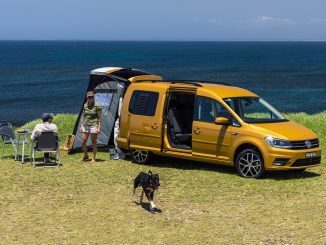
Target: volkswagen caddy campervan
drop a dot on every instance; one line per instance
(213, 122)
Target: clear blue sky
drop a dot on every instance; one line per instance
(163, 20)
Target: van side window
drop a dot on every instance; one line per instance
(207, 109)
(143, 103)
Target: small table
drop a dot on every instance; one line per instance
(22, 138)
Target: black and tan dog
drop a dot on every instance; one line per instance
(149, 182)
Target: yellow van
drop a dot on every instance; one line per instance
(213, 122)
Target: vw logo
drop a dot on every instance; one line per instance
(308, 144)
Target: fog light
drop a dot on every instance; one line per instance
(280, 162)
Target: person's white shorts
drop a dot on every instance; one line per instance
(89, 129)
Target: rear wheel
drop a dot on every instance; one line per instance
(250, 164)
(140, 156)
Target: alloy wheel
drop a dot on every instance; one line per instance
(140, 156)
(250, 165)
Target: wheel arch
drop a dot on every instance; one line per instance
(246, 145)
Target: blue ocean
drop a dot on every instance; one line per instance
(52, 76)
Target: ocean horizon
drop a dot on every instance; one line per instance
(52, 76)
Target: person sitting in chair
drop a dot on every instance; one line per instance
(47, 125)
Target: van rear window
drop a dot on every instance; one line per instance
(143, 103)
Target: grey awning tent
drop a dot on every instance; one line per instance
(109, 85)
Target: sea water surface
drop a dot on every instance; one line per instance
(52, 76)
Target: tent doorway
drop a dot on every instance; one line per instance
(109, 85)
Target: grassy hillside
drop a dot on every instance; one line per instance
(64, 122)
(84, 203)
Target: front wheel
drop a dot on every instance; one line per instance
(250, 164)
(140, 156)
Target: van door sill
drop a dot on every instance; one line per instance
(175, 150)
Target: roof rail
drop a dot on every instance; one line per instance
(190, 82)
(170, 81)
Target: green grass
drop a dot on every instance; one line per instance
(64, 122)
(201, 203)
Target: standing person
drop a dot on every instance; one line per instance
(47, 125)
(91, 124)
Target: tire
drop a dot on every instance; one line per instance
(250, 164)
(140, 156)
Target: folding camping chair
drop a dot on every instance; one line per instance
(8, 137)
(46, 142)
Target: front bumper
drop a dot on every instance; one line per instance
(296, 158)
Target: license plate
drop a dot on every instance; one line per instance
(311, 154)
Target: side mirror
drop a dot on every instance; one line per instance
(222, 121)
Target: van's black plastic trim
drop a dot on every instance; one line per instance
(306, 162)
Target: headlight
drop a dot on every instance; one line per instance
(278, 143)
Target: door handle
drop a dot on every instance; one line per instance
(154, 126)
(197, 130)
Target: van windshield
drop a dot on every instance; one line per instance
(254, 110)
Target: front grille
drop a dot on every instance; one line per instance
(306, 162)
(301, 144)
